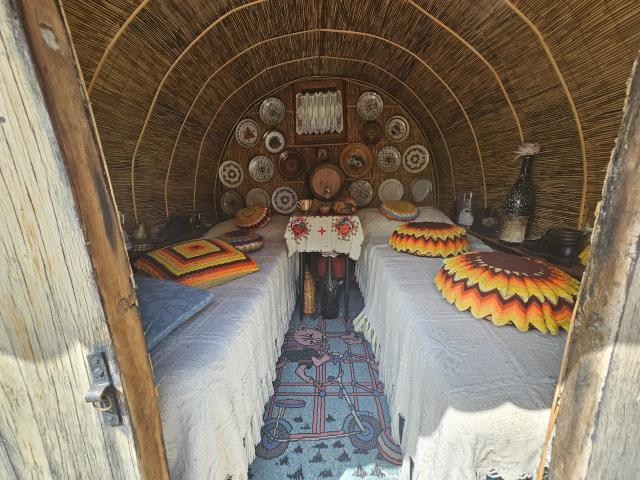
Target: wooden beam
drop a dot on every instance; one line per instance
(68, 105)
(598, 427)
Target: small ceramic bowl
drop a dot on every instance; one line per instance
(325, 209)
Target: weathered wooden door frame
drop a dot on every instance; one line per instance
(598, 396)
(61, 82)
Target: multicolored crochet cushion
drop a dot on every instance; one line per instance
(430, 239)
(200, 263)
(243, 240)
(399, 210)
(253, 218)
(507, 288)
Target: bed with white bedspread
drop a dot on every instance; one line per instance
(473, 395)
(214, 373)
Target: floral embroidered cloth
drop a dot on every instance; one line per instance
(325, 234)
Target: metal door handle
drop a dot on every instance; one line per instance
(102, 393)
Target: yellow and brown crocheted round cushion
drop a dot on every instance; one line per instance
(507, 288)
(399, 210)
(430, 239)
(253, 218)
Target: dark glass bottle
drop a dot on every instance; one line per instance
(519, 205)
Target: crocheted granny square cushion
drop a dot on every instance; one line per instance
(430, 239)
(200, 263)
(507, 288)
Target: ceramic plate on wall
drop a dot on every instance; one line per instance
(258, 197)
(272, 111)
(370, 105)
(231, 202)
(231, 174)
(397, 128)
(284, 200)
(261, 168)
(415, 158)
(421, 188)
(247, 133)
(274, 141)
(356, 160)
(362, 192)
(390, 189)
(389, 159)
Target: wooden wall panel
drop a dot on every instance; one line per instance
(354, 128)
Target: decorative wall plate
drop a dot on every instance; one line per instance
(421, 188)
(390, 189)
(231, 174)
(356, 160)
(415, 158)
(362, 192)
(247, 133)
(370, 105)
(389, 159)
(261, 168)
(274, 141)
(231, 202)
(258, 197)
(272, 111)
(291, 165)
(284, 200)
(371, 132)
(397, 128)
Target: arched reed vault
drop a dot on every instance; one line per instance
(168, 79)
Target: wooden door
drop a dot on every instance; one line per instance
(65, 282)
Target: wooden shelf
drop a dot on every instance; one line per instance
(576, 270)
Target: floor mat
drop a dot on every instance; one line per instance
(328, 417)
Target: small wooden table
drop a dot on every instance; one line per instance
(328, 234)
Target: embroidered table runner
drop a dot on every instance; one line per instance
(325, 234)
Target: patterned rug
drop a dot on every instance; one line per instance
(328, 417)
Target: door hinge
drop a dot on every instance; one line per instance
(103, 394)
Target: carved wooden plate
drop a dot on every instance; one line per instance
(356, 160)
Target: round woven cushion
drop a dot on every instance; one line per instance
(507, 288)
(430, 239)
(253, 218)
(243, 240)
(399, 210)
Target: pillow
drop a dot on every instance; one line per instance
(200, 263)
(243, 240)
(165, 305)
(253, 218)
(399, 210)
(508, 288)
(430, 239)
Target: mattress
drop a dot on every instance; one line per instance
(214, 374)
(473, 396)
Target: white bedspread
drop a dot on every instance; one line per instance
(473, 395)
(214, 373)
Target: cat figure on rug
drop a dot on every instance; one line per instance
(307, 346)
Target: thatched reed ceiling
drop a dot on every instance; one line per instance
(168, 80)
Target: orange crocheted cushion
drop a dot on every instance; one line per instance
(253, 218)
(399, 210)
(430, 239)
(243, 240)
(507, 288)
(200, 263)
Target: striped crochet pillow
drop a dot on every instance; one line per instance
(430, 239)
(399, 210)
(243, 240)
(199, 263)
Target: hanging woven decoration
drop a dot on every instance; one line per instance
(430, 239)
(253, 218)
(507, 288)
